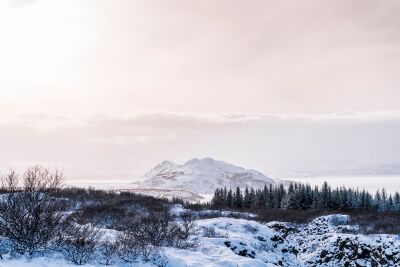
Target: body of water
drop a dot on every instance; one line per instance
(370, 183)
(103, 184)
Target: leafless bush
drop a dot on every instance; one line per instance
(145, 236)
(129, 250)
(183, 230)
(29, 215)
(80, 244)
(105, 215)
(108, 252)
(187, 224)
(132, 248)
(154, 229)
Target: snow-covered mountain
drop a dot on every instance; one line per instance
(202, 176)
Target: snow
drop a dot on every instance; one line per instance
(202, 176)
(232, 242)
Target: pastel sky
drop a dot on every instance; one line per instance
(106, 89)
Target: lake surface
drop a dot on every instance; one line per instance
(391, 183)
(103, 184)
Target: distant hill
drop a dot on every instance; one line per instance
(201, 177)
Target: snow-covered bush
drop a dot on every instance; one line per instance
(81, 243)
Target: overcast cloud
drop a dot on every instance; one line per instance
(285, 87)
(279, 145)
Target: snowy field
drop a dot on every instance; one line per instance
(326, 241)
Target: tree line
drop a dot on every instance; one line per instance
(300, 196)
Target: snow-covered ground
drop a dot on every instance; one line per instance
(326, 241)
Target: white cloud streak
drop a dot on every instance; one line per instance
(277, 144)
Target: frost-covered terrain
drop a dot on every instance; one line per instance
(199, 177)
(326, 241)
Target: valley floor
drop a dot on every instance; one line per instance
(326, 241)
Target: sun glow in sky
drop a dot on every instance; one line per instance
(122, 84)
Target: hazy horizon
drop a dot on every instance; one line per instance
(108, 89)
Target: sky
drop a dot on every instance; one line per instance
(107, 89)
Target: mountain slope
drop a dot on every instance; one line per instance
(202, 176)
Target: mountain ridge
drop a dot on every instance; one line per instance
(202, 176)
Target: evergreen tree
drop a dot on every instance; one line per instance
(304, 197)
(397, 201)
(238, 203)
(247, 199)
(229, 199)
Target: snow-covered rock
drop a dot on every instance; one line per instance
(202, 176)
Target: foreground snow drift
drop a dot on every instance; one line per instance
(326, 241)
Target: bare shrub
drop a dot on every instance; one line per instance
(145, 236)
(129, 250)
(183, 230)
(108, 252)
(187, 224)
(29, 215)
(132, 248)
(154, 229)
(80, 243)
(105, 215)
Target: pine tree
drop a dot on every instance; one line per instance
(397, 201)
(326, 195)
(378, 201)
(238, 203)
(229, 199)
(247, 199)
(390, 203)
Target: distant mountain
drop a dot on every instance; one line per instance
(202, 176)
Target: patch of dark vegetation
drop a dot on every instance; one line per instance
(109, 209)
(300, 196)
(386, 222)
